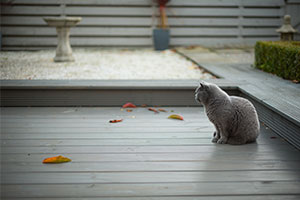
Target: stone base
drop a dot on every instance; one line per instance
(64, 59)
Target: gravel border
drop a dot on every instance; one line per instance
(100, 64)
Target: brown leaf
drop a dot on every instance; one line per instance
(162, 110)
(115, 120)
(152, 109)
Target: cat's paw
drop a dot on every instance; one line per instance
(215, 137)
(222, 141)
(214, 140)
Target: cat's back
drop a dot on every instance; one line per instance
(242, 103)
(244, 111)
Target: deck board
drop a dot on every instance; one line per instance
(150, 189)
(146, 157)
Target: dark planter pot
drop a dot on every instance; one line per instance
(161, 38)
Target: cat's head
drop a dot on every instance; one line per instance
(202, 92)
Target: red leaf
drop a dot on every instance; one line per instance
(115, 120)
(129, 105)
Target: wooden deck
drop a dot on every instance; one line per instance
(281, 96)
(147, 156)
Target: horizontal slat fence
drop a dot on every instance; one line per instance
(293, 9)
(130, 22)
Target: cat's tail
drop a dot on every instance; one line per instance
(235, 141)
(239, 140)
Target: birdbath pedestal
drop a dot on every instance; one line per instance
(63, 25)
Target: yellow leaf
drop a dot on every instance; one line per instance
(175, 117)
(56, 159)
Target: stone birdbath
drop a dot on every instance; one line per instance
(63, 25)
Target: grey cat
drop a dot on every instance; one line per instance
(235, 118)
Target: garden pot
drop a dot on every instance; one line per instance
(161, 38)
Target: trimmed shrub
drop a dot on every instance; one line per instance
(280, 58)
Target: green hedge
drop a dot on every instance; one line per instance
(280, 58)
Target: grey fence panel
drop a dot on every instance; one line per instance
(293, 9)
(130, 22)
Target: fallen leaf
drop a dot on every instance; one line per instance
(133, 117)
(162, 110)
(129, 105)
(115, 120)
(175, 117)
(295, 81)
(273, 137)
(128, 110)
(56, 159)
(193, 67)
(191, 47)
(144, 105)
(152, 109)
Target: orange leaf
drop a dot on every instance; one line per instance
(129, 105)
(128, 110)
(175, 117)
(162, 110)
(115, 120)
(152, 109)
(56, 159)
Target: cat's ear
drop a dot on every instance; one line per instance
(203, 85)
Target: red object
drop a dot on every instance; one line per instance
(162, 2)
(115, 120)
(129, 105)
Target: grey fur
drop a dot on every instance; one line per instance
(235, 118)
